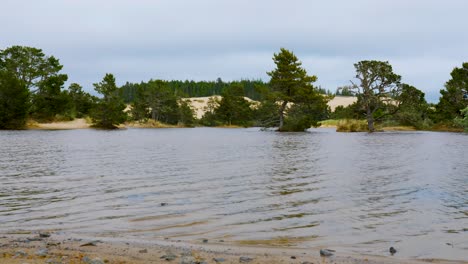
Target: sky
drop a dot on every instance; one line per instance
(139, 40)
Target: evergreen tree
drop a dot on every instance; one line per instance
(109, 110)
(291, 84)
(82, 101)
(14, 101)
(452, 100)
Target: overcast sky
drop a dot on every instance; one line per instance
(137, 40)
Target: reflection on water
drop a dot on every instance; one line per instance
(357, 192)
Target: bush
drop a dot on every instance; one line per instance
(352, 125)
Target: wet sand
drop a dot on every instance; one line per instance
(32, 248)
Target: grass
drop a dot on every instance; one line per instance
(150, 123)
(351, 125)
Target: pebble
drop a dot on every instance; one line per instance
(42, 252)
(169, 256)
(218, 260)
(326, 252)
(293, 257)
(205, 240)
(88, 260)
(187, 260)
(44, 234)
(245, 259)
(21, 253)
(143, 251)
(91, 243)
(392, 250)
(307, 262)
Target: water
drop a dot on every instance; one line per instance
(356, 192)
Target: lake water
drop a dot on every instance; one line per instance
(354, 192)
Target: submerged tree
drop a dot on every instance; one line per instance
(14, 101)
(378, 87)
(291, 84)
(109, 110)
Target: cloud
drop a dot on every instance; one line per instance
(205, 39)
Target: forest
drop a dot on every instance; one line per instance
(32, 87)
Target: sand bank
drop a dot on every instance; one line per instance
(56, 249)
(79, 123)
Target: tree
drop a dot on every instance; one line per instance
(377, 89)
(413, 108)
(233, 109)
(30, 65)
(186, 113)
(109, 110)
(14, 101)
(291, 84)
(50, 102)
(463, 122)
(452, 100)
(82, 101)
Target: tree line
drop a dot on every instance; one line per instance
(32, 87)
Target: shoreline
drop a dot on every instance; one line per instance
(35, 248)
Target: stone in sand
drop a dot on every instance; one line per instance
(392, 250)
(245, 259)
(326, 252)
(42, 252)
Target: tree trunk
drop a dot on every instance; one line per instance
(281, 114)
(370, 121)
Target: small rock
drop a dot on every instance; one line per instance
(307, 262)
(143, 251)
(34, 239)
(20, 253)
(44, 234)
(91, 243)
(221, 240)
(205, 240)
(169, 256)
(86, 259)
(96, 261)
(218, 260)
(163, 204)
(326, 252)
(187, 260)
(245, 259)
(293, 257)
(392, 250)
(42, 252)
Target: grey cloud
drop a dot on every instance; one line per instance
(205, 39)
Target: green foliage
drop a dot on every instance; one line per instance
(352, 111)
(377, 89)
(156, 100)
(30, 65)
(452, 102)
(186, 113)
(346, 90)
(109, 110)
(50, 101)
(200, 88)
(290, 84)
(82, 102)
(14, 101)
(463, 122)
(413, 108)
(233, 109)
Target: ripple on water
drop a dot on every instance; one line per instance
(355, 191)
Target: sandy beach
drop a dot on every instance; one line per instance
(79, 123)
(32, 249)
